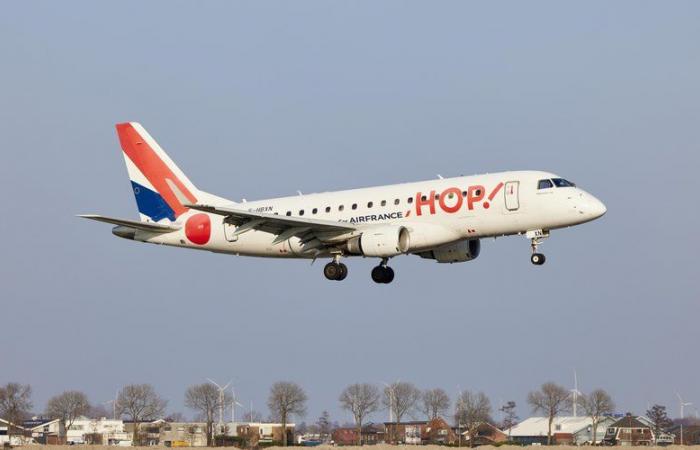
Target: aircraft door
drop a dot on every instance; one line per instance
(512, 195)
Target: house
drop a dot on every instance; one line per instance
(12, 434)
(438, 431)
(183, 434)
(45, 431)
(567, 430)
(148, 432)
(629, 430)
(483, 434)
(371, 434)
(404, 432)
(263, 432)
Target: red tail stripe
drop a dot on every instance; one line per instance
(152, 167)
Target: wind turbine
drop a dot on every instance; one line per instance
(234, 402)
(392, 399)
(114, 405)
(575, 393)
(683, 404)
(222, 396)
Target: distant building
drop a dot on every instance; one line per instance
(263, 432)
(484, 434)
(438, 431)
(566, 430)
(183, 434)
(405, 432)
(629, 430)
(371, 434)
(13, 434)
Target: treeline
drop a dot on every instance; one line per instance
(139, 403)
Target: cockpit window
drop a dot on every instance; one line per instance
(560, 182)
(544, 184)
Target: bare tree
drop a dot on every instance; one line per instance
(400, 398)
(596, 405)
(286, 399)
(15, 403)
(206, 400)
(552, 400)
(139, 402)
(510, 419)
(67, 407)
(471, 410)
(361, 400)
(436, 402)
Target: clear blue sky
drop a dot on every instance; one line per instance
(259, 99)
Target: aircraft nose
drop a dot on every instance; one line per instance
(596, 207)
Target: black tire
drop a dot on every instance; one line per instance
(537, 259)
(331, 271)
(343, 272)
(388, 275)
(378, 274)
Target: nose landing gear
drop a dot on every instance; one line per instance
(536, 237)
(383, 274)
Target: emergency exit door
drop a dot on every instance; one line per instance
(512, 197)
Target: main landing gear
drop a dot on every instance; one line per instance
(536, 238)
(335, 270)
(383, 273)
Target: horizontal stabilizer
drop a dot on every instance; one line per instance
(143, 226)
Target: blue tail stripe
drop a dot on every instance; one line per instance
(151, 204)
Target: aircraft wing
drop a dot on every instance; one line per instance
(283, 226)
(144, 226)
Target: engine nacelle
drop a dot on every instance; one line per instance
(386, 241)
(458, 252)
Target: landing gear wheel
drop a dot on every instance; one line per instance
(382, 274)
(332, 270)
(343, 272)
(537, 259)
(335, 271)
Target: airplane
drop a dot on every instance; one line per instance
(442, 219)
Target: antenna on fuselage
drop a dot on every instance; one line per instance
(440, 176)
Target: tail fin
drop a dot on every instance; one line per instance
(154, 176)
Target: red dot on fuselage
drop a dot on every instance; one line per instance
(486, 205)
(198, 229)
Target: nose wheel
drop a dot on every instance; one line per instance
(335, 270)
(537, 259)
(383, 274)
(536, 238)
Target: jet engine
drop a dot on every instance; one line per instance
(383, 241)
(458, 252)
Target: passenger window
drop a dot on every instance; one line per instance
(464, 193)
(301, 212)
(289, 213)
(314, 211)
(437, 196)
(424, 198)
(410, 200)
(369, 205)
(544, 184)
(328, 209)
(341, 207)
(397, 201)
(354, 206)
(383, 202)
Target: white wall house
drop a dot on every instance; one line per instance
(576, 430)
(111, 431)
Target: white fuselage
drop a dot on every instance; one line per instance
(435, 212)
